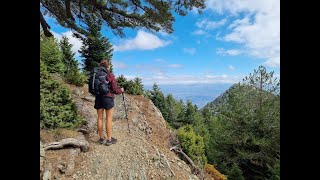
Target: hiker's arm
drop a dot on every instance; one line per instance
(114, 86)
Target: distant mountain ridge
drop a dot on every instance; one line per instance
(198, 94)
(221, 99)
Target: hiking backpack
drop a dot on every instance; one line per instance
(98, 84)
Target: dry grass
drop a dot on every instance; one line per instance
(61, 157)
(212, 172)
(48, 136)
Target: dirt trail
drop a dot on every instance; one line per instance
(142, 154)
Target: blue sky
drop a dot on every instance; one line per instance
(227, 41)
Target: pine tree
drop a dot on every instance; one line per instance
(67, 55)
(122, 82)
(173, 111)
(51, 54)
(248, 126)
(129, 87)
(134, 87)
(148, 94)
(95, 46)
(190, 113)
(72, 73)
(206, 115)
(57, 110)
(181, 112)
(159, 101)
(138, 86)
(235, 173)
(201, 128)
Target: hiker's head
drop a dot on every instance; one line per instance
(105, 63)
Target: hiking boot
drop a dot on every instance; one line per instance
(110, 142)
(102, 140)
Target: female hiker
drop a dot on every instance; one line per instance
(105, 103)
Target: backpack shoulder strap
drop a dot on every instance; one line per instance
(103, 69)
(96, 69)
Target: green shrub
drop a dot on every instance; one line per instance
(192, 144)
(57, 110)
(76, 77)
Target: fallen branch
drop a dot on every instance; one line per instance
(174, 147)
(177, 149)
(81, 143)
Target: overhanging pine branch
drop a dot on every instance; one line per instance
(68, 11)
(70, 24)
(45, 26)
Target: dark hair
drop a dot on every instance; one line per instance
(104, 63)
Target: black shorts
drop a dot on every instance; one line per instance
(103, 102)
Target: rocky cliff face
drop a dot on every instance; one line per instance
(142, 154)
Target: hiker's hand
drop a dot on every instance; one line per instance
(122, 89)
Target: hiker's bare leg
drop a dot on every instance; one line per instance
(109, 123)
(100, 122)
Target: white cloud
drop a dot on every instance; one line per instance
(188, 79)
(236, 6)
(191, 51)
(72, 40)
(231, 67)
(273, 62)
(57, 35)
(199, 32)
(206, 25)
(175, 65)
(240, 22)
(229, 52)
(119, 65)
(209, 25)
(143, 41)
(258, 30)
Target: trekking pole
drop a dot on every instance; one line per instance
(125, 109)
